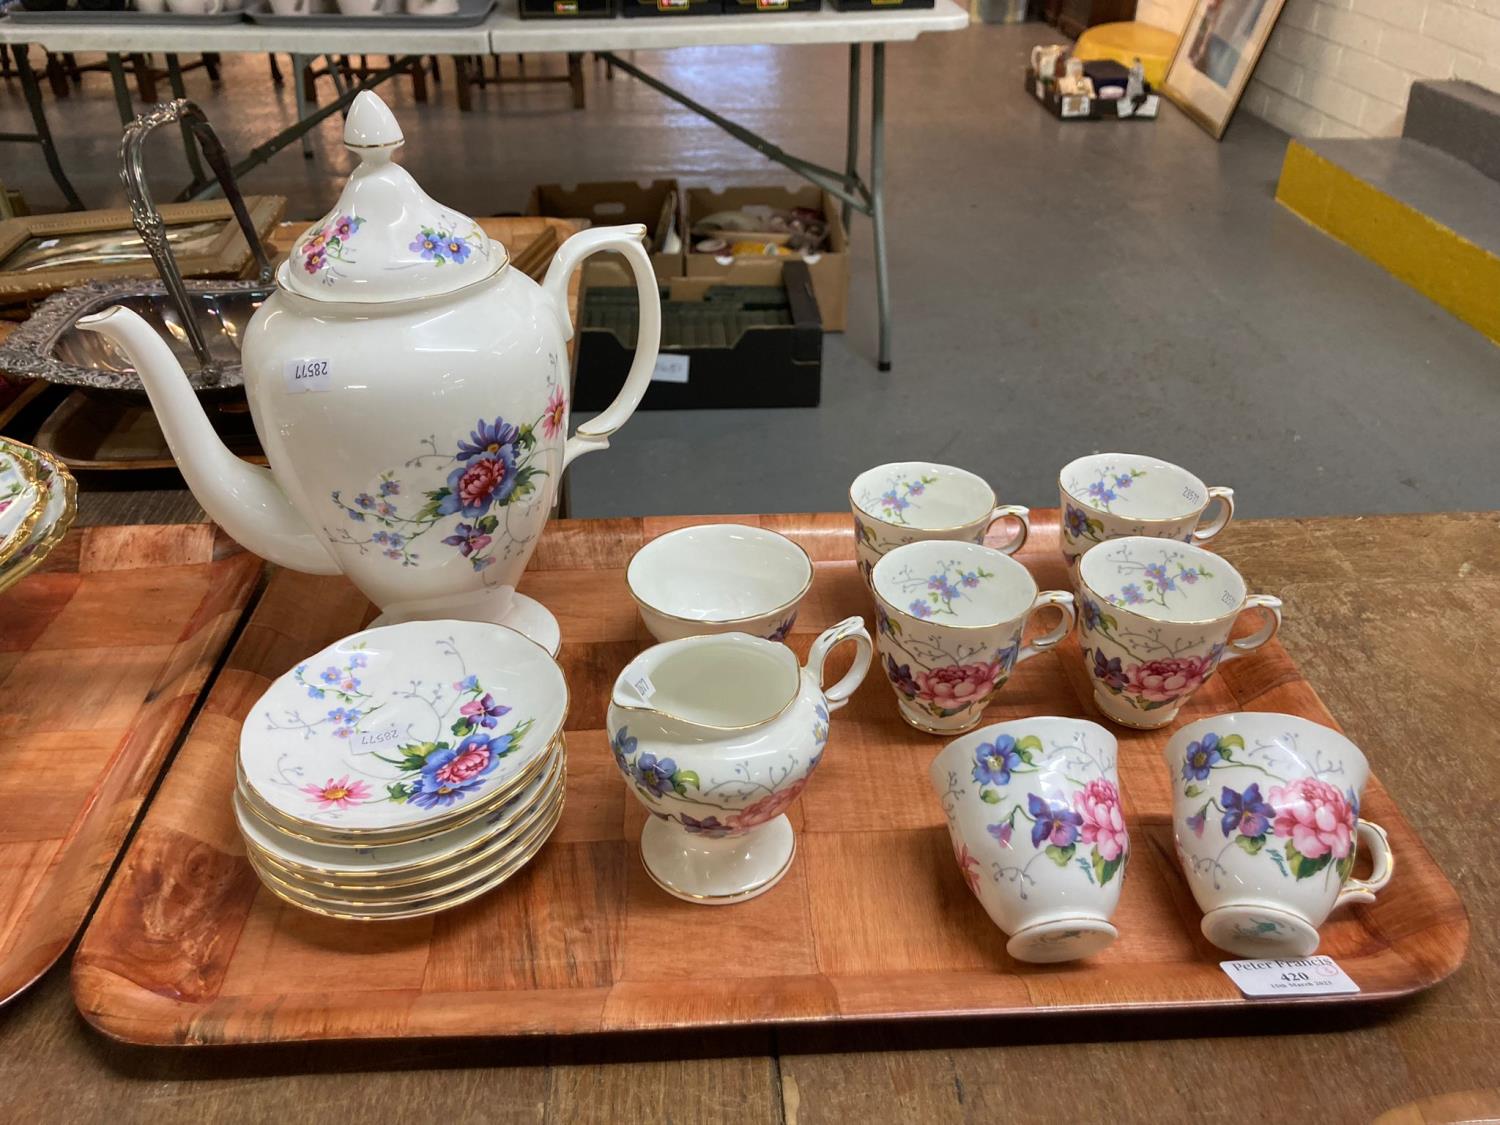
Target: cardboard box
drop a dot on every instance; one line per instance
(657, 205)
(567, 9)
(722, 346)
(829, 270)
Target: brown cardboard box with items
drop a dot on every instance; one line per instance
(655, 204)
(829, 269)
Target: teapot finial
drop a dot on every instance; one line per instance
(371, 124)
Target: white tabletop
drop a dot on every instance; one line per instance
(503, 31)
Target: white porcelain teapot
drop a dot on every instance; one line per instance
(411, 392)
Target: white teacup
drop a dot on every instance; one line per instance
(432, 7)
(1154, 620)
(1044, 59)
(152, 7)
(1038, 829)
(292, 7)
(369, 7)
(949, 619)
(916, 501)
(195, 7)
(719, 578)
(1265, 814)
(1111, 495)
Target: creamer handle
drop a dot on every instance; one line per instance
(629, 241)
(849, 629)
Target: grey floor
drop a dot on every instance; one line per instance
(1059, 288)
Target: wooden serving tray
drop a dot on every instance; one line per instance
(103, 652)
(873, 922)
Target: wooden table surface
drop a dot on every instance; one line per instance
(1391, 618)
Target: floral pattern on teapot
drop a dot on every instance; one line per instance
(327, 244)
(494, 468)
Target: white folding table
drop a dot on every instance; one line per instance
(505, 32)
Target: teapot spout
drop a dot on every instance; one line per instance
(243, 499)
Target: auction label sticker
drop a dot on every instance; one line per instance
(304, 375)
(1302, 976)
(671, 368)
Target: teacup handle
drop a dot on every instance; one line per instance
(1208, 528)
(849, 629)
(1022, 516)
(1271, 608)
(1063, 603)
(1373, 837)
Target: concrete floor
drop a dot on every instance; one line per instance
(1059, 288)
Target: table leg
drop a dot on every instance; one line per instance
(174, 79)
(851, 154)
(301, 80)
(122, 90)
(145, 77)
(877, 202)
(33, 94)
(575, 79)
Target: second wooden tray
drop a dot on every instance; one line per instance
(873, 922)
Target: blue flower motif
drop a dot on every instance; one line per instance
(358, 660)
(892, 500)
(390, 488)
(331, 675)
(623, 746)
(456, 248)
(901, 678)
(428, 245)
(1188, 575)
(1196, 822)
(487, 439)
(1123, 480)
(1090, 613)
(1200, 759)
(468, 683)
(994, 761)
(429, 793)
(486, 480)
(1055, 823)
(364, 500)
(1008, 656)
(656, 774)
(921, 609)
(1157, 572)
(970, 579)
(1101, 492)
(1132, 594)
(1245, 811)
(1075, 521)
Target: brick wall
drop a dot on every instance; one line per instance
(1342, 68)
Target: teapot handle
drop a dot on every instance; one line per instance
(629, 241)
(849, 629)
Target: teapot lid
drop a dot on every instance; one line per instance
(386, 239)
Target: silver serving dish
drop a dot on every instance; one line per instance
(49, 346)
(201, 321)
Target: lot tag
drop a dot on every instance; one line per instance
(643, 687)
(304, 375)
(1302, 976)
(670, 369)
(1075, 105)
(369, 741)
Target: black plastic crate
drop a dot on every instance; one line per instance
(567, 9)
(769, 7)
(743, 346)
(668, 8)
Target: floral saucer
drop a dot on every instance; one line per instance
(21, 501)
(55, 510)
(398, 732)
(386, 865)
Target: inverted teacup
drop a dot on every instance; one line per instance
(1111, 495)
(719, 578)
(949, 619)
(1154, 620)
(1038, 829)
(1265, 813)
(916, 501)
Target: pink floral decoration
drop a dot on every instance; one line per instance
(1098, 803)
(768, 808)
(1315, 816)
(958, 684)
(340, 794)
(1162, 681)
(555, 414)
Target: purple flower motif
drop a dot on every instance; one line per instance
(1132, 594)
(921, 609)
(456, 248)
(1188, 575)
(970, 580)
(781, 631)
(944, 589)
(1109, 671)
(655, 774)
(623, 745)
(1101, 492)
(364, 500)
(485, 711)
(487, 439)
(994, 761)
(1201, 756)
(358, 660)
(428, 245)
(1001, 832)
(331, 675)
(391, 553)
(1056, 824)
(709, 826)
(894, 502)
(468, 539)
(915, 488)
(1196, 822)
(1091, 613)
(1076, 521)
(1245, 811)
(1008, 655)
(385, 508)
(1123, 480)
(390, 488)
(901, 677)
(380, 537)
(344, 715)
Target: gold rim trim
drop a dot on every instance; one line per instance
(994, 500)
(431, 867)
(54, 535)
(783, 607)
(19, 537)
(726, 900)
(647, 709)
(1230, 616)
(421, 890)
(1063, 488)
(435, 907)
(408, 834)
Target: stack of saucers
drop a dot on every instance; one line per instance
(403, 770)
(37, 505)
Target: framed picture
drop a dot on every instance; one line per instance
(1215, 57)
(40, 254)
